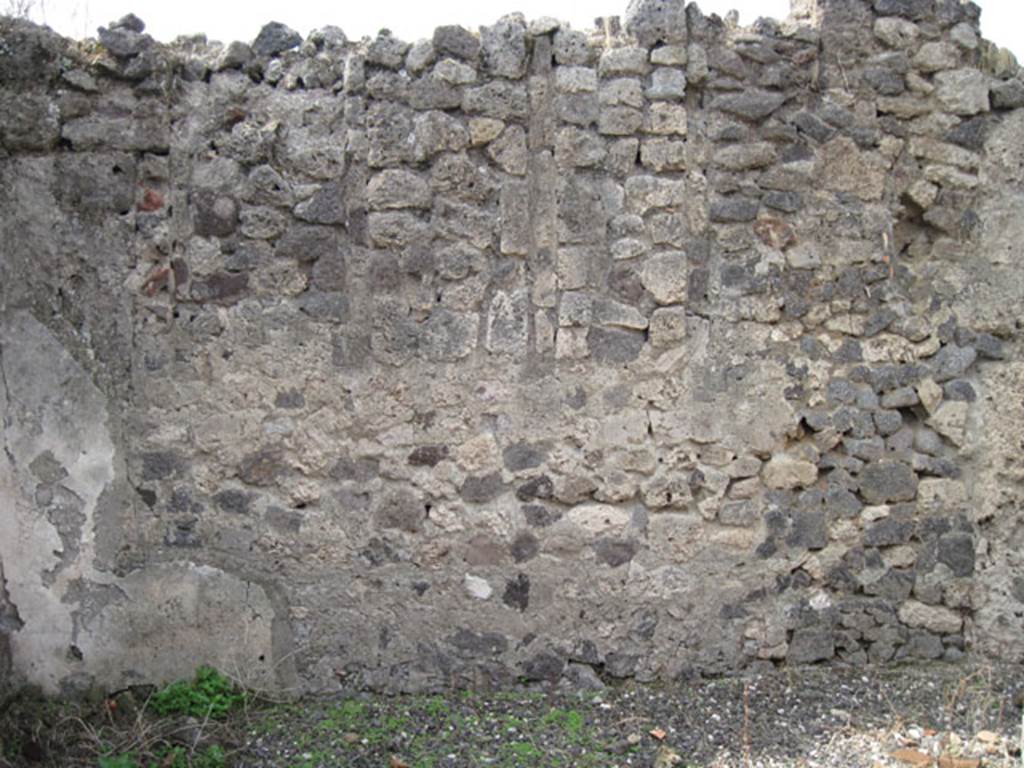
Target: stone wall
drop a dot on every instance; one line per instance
(668, 347)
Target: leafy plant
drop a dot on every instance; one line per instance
(209, 694)
(522, 752)
(212, 757)
(177, 757)
(570, 721)
(127, 760)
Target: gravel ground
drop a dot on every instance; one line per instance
(805, 717)
(949, 716)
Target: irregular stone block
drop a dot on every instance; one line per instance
(326, 206)
(752, 105)
(786, 472)
(28, 122)
(887, 481)
(507, 323)
(809, 645)
(616, 62)
(581, 210)
(401, 509)
(438, 132)
(575, 148)
(956, 551)
(456, 41)
(499, 99)
(666, 119)
(387, 51)
(646, 192)
(308, 243)
(614, 552)
(124, 42)
(275, 38)
(575, 79)
(574, 309)
(571, 47)
(508, 151)
(934, 618)
(896, 32)
(733, 210)
(663, 155)
(657, 21)
(395, 228)
(484, 129)
(398, 189)
(479, 645)
(614, 345)
(664, 276)
(936, 56)
(504, 47)
(449, 335)
(516, 232)
(610, 312)
(667, 84)
(477, 587)
(962, 91)
(668, 327)
(1008, 95)
(220, 287)
(848, 169)
(950, 421)
(480, 489)
(580, 109)
(742, 157)
(619, 121)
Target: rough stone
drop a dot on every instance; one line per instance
(896, 32)
(810, 645)
(936, 56)
(616, 62)
(934, 618)
(504, 47)
(787, 472)
(665, 277)
(962, 91)
(667, 326)
(887, 481)
(752, 105)
(733, 210)
(667, 85)
(275, 38)
(400, 509)
(950, 421)
(398, 189)
(1008, 95)
(308, 243)
(657, 21)
(453, 40)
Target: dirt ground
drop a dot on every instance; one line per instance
(949, 716)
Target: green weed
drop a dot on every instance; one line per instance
(569, 721)
(126, 760)
(519, 753)
(209, 694)
(436, 706)
(175, 757)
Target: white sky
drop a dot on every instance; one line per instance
(1001, 20)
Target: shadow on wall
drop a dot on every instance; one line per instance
(9, 622)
